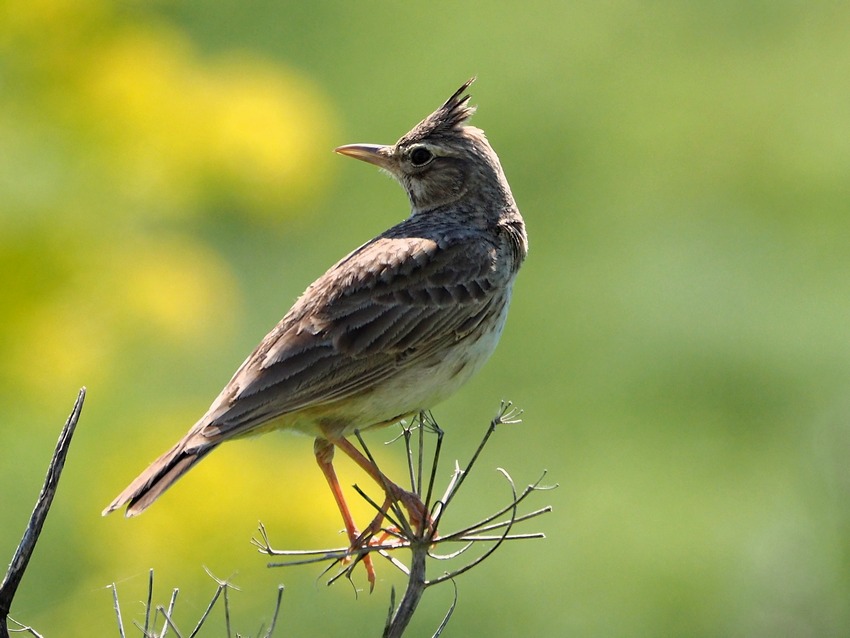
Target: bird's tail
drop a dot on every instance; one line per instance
(160, 475)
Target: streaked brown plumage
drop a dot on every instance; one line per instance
(391, 329)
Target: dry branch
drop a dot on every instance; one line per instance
(25, 549)
(422, 543)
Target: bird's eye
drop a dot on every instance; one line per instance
(421, 156)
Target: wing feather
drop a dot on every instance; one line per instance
(393, 301)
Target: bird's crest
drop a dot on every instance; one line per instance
(449, 117)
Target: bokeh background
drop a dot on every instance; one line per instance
(678, 339)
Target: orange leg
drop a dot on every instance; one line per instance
(412, 503)
(324, 451)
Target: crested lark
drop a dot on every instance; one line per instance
(393, 328)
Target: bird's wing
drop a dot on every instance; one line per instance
(390, 303)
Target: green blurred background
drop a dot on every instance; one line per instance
(678, 339)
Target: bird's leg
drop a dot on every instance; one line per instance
(324, 451)
(416, 511)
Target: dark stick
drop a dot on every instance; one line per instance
(25, 548)
(416, 584)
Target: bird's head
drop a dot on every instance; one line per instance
(440, 160)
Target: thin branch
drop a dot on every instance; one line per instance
(398, 524)
(395, 562)
(489, 551)
(36, 522)
(449, 613)
(276, 611)
(117, 607)
(167, 614)
(150, 603)
(391, 608)
(396, 507)
(438, 446)
(226, 610)
(507, 415)
(223, 587)
(483, 525)
(415, 482)
(207, 611)
(21, 628)
(168, 622)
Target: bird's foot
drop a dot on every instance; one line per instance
(417, 526)
(359, 551)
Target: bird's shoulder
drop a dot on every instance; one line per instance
(411, 265)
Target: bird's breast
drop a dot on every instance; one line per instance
(419, 385)
(430, 381)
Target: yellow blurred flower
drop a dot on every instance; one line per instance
(182, 130)
(117, 126)
(60, 343)
(269, 136)
(172, 287)
(167, 288)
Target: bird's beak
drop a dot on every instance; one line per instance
(372, 153)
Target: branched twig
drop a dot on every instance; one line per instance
(221, 593)
(222, 585)
(21, 628)
(42, 506)
(422, 542)
(167, 615)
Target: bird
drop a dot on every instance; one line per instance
(391, 329)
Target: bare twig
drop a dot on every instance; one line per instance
(42, 506)
(223, 586)
(449, 613)
(149, 605)
(268, 634)
(167, 614)
(116, 606)
(21, 628)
